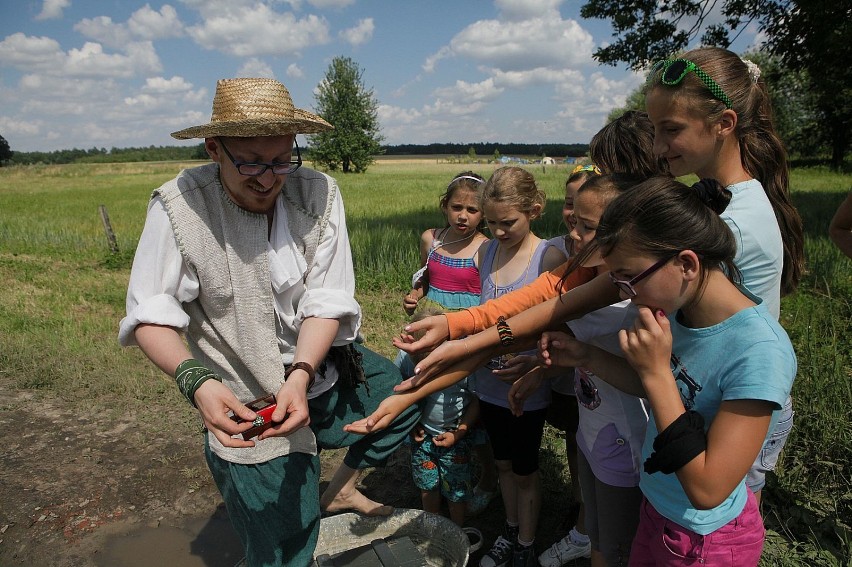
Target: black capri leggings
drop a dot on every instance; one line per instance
(515, 439)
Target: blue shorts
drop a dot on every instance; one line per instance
(771, 450)
(446, 469)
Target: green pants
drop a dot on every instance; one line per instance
(274, 506)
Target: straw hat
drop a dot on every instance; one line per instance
(254, 107)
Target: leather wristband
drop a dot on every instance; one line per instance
(309, 370)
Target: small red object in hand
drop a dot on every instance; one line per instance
(263, 407)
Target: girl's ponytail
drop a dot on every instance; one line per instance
(762, 152)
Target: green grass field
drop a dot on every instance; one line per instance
(64, 295)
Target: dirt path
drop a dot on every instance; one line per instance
(82, 488)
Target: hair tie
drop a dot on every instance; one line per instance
(753, 70)
(712, 194)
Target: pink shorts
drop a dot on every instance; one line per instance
(659, 541)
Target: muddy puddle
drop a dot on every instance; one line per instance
(206, 542)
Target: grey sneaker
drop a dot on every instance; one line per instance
(565, 550)
(499, 555)
(524, 556)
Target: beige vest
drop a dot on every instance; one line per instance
(232, 327)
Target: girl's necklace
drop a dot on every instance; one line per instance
(497, 271)
(438, 243)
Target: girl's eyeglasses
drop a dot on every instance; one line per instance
(258, 169)
(674, 70)
(627, 285)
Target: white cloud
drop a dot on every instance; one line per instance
(30, 53)
(254, 67)
(146, 23)
(361, 33)
(245, 31)
(295, 71)
(52, 9)
(161, 85)
(431, 61)
(536, 42)
(91, 61)
(11, 126)
(527, 9)
(103, 30)
(323, 4)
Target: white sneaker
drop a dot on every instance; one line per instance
(565, 550)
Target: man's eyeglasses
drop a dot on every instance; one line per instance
(674, 70)
(257, 169)
(587, 167)
(627, 285)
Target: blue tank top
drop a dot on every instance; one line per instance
(487, 387)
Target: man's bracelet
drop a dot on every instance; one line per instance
(309, 370)
(505, 332)
(190, 375)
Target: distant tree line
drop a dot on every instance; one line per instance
(490, 149)
(102, 155)
(182, 153)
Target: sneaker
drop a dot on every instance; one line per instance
(565, 550)
(479, 501)
(499, 555)
(524, 556)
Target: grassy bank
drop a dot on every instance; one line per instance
(64, 296)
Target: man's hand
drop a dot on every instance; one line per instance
(291, 412)
(215, 401)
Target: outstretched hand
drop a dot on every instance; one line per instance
(424, 335)
(560, 349)
(440, 359)
(523, 388)
(388, 410)
(516, 367)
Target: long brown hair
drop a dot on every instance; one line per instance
(762, 152)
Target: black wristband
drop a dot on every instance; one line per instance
(680, 442)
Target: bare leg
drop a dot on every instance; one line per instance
(458, 510)
(528, 504)
(342, 494)
(431, 500)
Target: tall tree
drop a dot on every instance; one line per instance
(807, 35)
(5, 151)
(344, 101)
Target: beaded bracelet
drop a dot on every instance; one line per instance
(505, 332)
(309, 370)
(190, 375)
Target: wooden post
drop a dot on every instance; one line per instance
(113, 245)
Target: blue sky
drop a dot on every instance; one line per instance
(98, 73)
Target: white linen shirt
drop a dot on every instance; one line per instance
(160, 281)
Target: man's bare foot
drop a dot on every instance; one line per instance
(355, 501)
